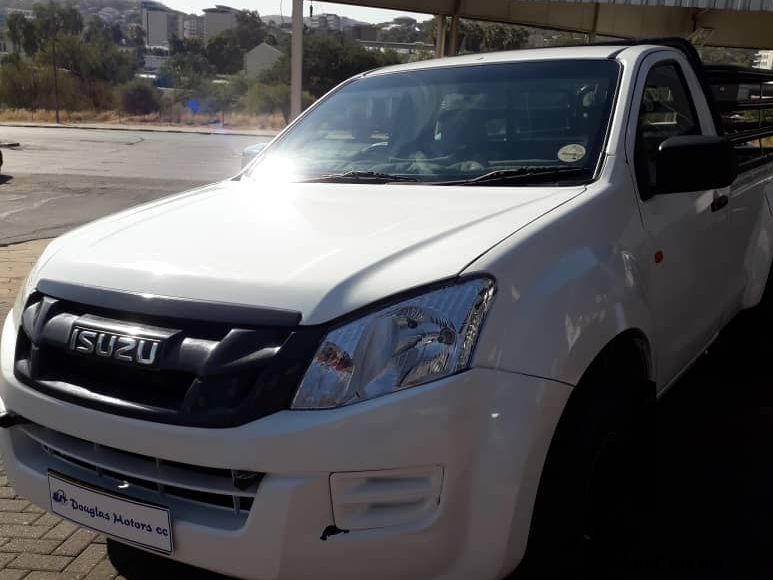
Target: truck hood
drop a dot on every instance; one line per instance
(320, 249)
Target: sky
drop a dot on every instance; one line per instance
(285, 7)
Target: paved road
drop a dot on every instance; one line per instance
(59, 178)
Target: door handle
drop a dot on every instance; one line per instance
(719, 203)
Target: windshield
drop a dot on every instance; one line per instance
(452, 124)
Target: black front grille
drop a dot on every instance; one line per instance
(233, 490)
(208, 374)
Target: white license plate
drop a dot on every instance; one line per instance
(136, 522)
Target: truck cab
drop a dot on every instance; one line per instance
(421, 335)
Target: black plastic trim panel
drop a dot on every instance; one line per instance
(169, 306)
(207, 373)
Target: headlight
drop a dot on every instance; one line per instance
(18, 305)
(410, 343)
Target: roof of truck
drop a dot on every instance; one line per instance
(594, 51)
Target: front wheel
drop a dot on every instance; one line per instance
(596, 490)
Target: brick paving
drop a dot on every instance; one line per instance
(15, 261)
(35, 545)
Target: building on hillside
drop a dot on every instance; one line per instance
(361, 32)
(153, 63)
(193, 26)
(108, 14)
(159, 23)
(325, 23)
(764, 59)
(28, 14)
(405, 21)
(259, 59)
(7, 46)
(155, 27)
(399, 47)
(218, 19)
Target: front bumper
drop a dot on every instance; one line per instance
(481, 437)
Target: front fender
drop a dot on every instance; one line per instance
(566, 287)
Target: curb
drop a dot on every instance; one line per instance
(244, 133)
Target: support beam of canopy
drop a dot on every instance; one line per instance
(741, 28)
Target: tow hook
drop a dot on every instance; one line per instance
(9, 419)
(332, 530)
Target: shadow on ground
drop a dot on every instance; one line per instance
(135, 564)
(714, 479)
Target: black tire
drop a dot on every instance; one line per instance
(135, 564)
(763, 312)
(596, 491)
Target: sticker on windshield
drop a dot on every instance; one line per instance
(571, 153)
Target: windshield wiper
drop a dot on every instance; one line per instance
(358, 177)
(523, 174)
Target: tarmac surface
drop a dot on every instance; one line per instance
(58, 178)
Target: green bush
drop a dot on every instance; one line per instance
(266, 99)
(139, 97)
(24, 86)
(18, 83)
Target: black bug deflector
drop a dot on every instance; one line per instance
(207, 373)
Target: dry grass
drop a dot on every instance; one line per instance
(175, 117)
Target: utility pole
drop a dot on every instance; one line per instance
(56, 85)
(296, 60)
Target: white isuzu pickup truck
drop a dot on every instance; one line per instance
(416, 336)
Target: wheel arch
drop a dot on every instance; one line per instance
(632, 343)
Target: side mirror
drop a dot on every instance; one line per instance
(694, 163)
(251, 152)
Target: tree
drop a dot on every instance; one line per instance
(97, 32)
(328, 60)
(249, 31)
(224, 53)
(51, 21)
(478, 36)
(17, 82)
(262, 99)
(735, 56)
(222, 96)
(136, 36)
(16, 24)
(94, 56)
(186, 45)
(139, 97)
(226, 50)
(116, 33)
(185, 71)
(22, 33)
(388, 32)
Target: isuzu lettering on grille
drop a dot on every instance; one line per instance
(121, 347)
